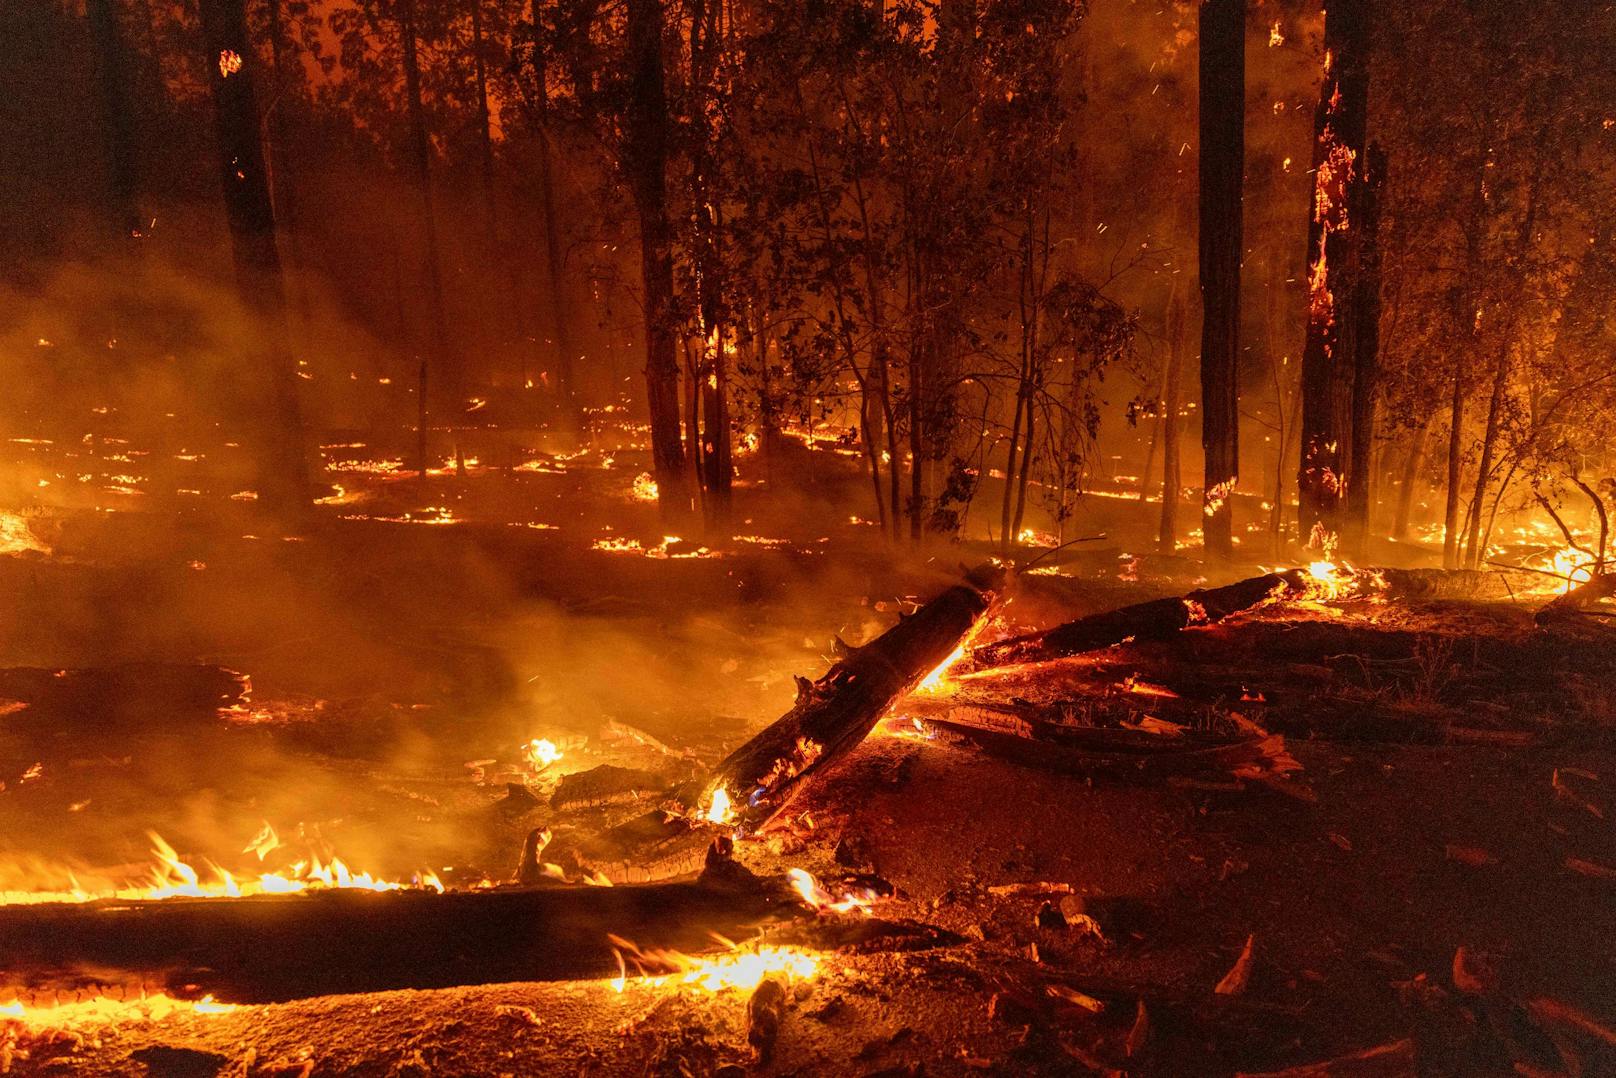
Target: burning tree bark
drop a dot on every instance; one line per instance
(1366, 350)
(1222, 165)
(1328, 358)
(245, 185)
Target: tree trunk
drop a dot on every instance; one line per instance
(1172, 477)
(717, 464)
(1484, 467)
(118, 122)
(645, 154)
(1411, 473)
(1222, 164)
(1365, 351)
(435, 358)
(1328, 357)
(1450, 517)
(834, 714)
(230, 66)
(560, 322)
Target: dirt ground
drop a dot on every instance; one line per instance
(386, 658)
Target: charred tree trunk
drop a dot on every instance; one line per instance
(1154, 620)
(645, 157)
(716, 459)
(270, 948)
(436, 356)
(1365, 351)
(1172, 475)
(117, 121)
(560, 323)
(834, 714)
(1328, 357)
(245, 184)
(1222, 166)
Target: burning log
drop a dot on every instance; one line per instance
(834, 714)
(272, 948)
(1578, 600)
(1157, 619)
(753, 784)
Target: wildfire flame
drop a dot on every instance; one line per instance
(540, 753)
(820, 899)
(173, 877)
(740, 968)
(106, 1010)
(718, 808)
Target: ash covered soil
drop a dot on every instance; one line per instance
(395, 679)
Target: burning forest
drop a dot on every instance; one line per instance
(924, 537)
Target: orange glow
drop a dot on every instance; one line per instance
(174, 877)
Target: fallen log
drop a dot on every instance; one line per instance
(753, 784)
(1578, 600)
(270, 948)
(1157, 619)
(834, 714)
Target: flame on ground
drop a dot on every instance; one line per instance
(742, 968)
(16, 537)
(820, 899)
(104, 1010)
(173, 877)
(719, 810)
(540, 753)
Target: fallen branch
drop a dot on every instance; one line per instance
(270, 948)
(1577, 600)
(753, 784)
(834, 714)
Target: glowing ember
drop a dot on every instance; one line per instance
(16, 537)
(644, 488)
(934, 680)
(540, 753)
(104, 1010)
(718, 808)
(742, 969)
(820, 899)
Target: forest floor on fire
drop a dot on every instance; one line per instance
(1459, 758)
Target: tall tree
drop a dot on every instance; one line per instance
(436, 356)
(117, 119)
(645, 159)
(1222, 162)
(560, 323)
(1333, 242)
(1366, 352)
(283, 481)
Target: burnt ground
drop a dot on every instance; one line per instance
(381, 669)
